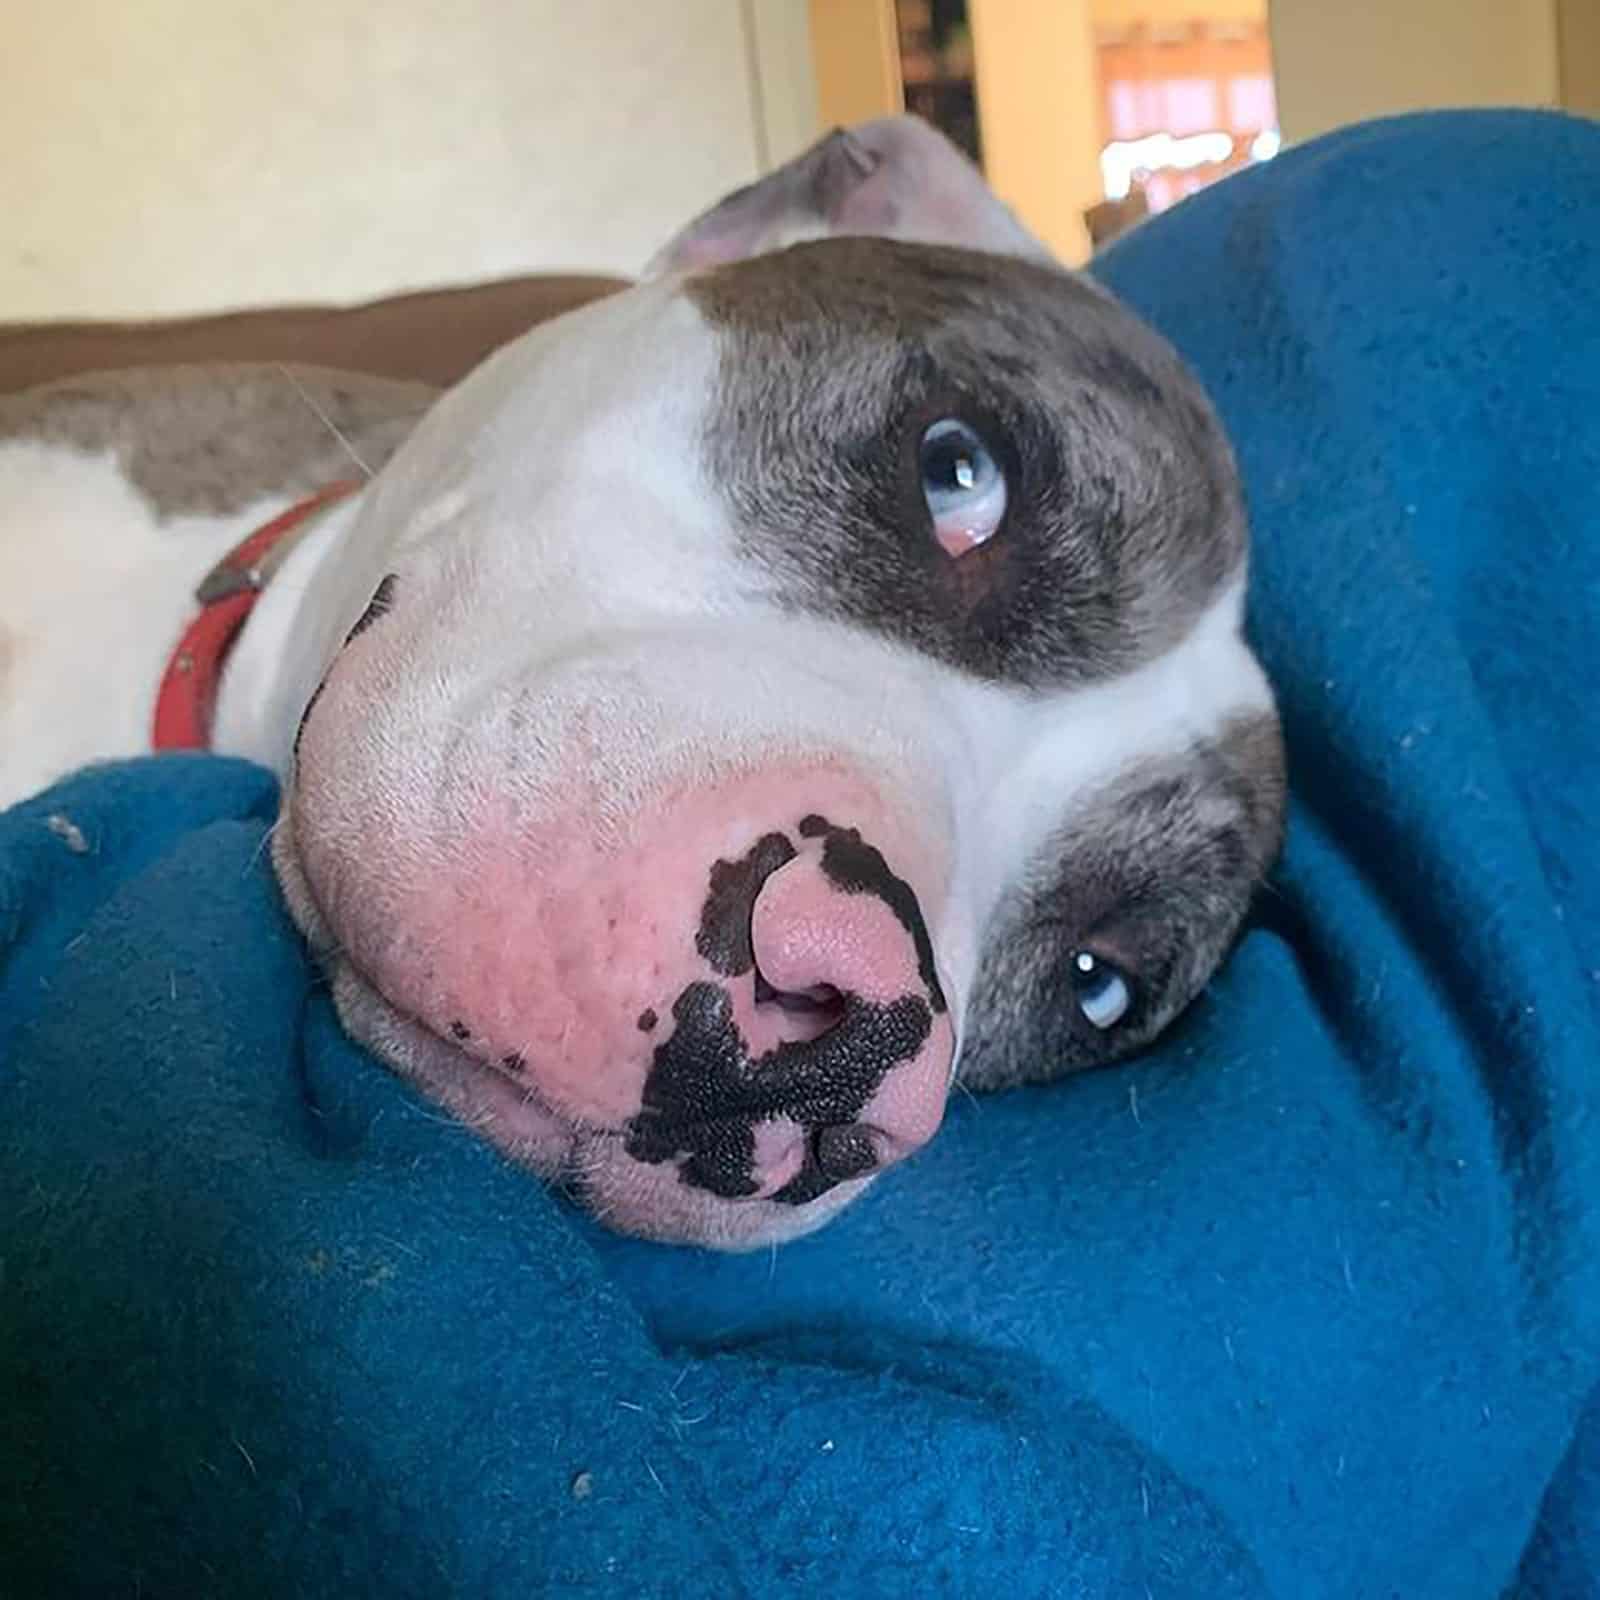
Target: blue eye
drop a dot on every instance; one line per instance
(963, 485)
(1103, 994)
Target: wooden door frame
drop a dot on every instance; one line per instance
(855, 46)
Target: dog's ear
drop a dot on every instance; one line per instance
(897, 177)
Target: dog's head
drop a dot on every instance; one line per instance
(763, 693)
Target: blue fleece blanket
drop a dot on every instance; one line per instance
(1305, 1304)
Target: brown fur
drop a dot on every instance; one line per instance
(1125, 518)
(211, 440)
(1156, 873)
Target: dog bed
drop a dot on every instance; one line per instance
(1305, 1303)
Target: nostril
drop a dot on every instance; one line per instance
(803, 1015)
(823, 998)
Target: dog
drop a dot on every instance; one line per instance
(740, 706)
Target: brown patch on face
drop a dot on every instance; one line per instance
(1124, 519)
(1153, 873)
(211, 440)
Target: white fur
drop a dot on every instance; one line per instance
(94, 592)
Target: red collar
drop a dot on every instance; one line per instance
(187, 699)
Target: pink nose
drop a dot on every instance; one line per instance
(826, 1055)
(727, 998)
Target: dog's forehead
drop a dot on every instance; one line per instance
(742, 436)
(642, 357)
(850, 289)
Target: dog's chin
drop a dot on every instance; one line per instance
(586, 1161)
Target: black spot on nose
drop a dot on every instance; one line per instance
(724, 936)
(706, 1095)
(647, 1020)
(459, 1030)
(379, 605)
(843, 1152)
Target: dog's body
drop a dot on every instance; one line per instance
(119, 492)
(733, 697)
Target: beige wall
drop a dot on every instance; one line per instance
(783, 80)
(173, 155)
(1336, 63)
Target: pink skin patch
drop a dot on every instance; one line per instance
(957, 541)
(780, 1154)
(556, 959)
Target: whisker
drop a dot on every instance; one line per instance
(323, 417)
(261, 848)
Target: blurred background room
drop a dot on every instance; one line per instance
(167, 157)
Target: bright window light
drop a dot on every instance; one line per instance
(1124, 157)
